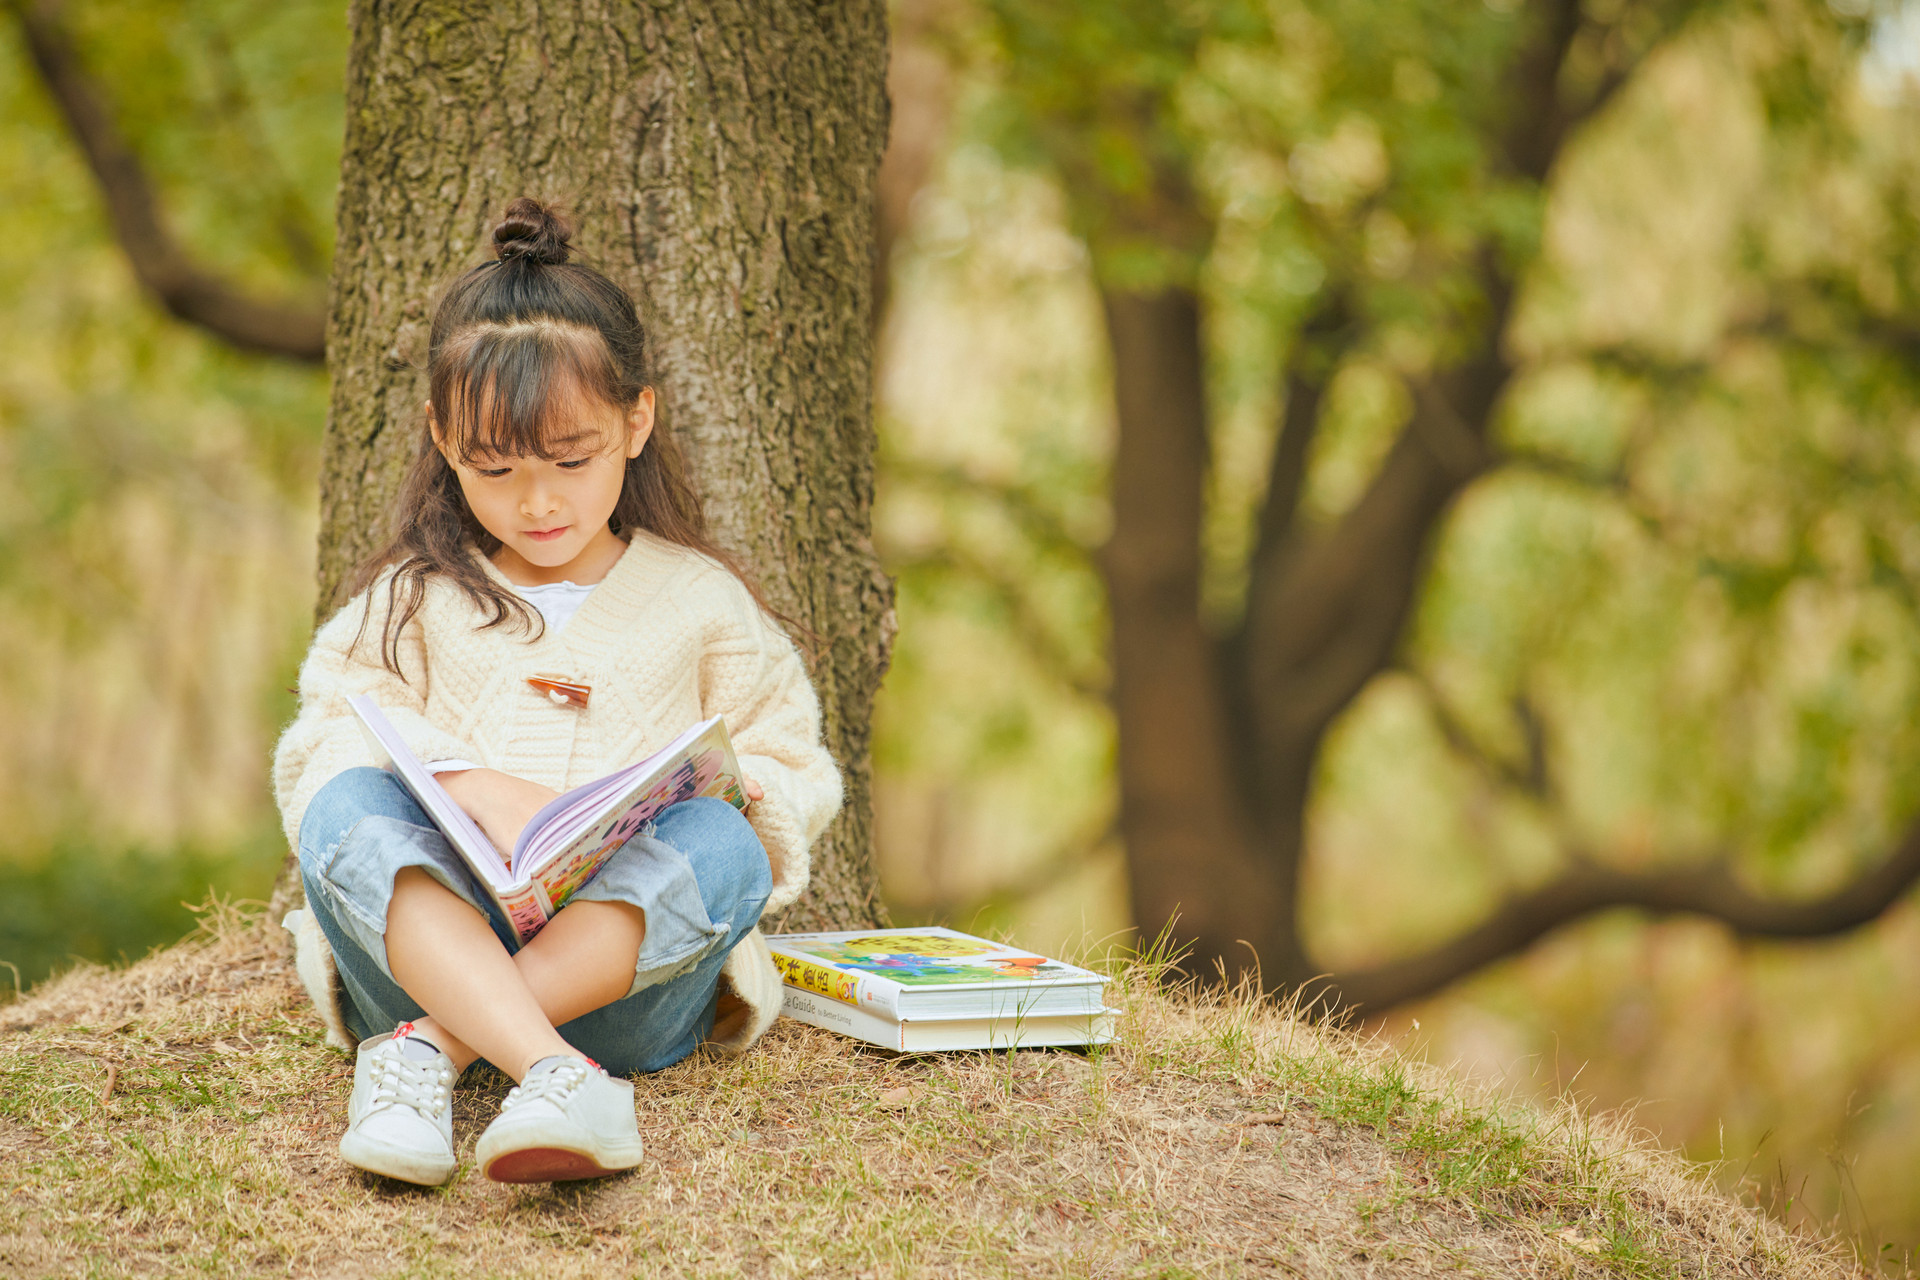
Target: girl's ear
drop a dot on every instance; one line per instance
(640, 423)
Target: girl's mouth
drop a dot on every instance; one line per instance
(547, 535)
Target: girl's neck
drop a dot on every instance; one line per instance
(594, 562)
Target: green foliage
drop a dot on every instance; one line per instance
(1695, 481)
(1689, 588)
(111, 905)
(235, 108)
(1695, 583)
(155, 487)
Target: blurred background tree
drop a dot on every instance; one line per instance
(1408, 159)
(1597, 321)
(1506, 516)
(156, 545)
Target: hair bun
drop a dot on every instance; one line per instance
(532, 230)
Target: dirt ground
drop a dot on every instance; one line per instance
(181, 1117)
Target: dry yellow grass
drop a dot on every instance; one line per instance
(180, 1116)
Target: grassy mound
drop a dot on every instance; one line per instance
(181, 1115)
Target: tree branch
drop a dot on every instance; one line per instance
(1531, 776)
(1309, 368)
(1331, 620)
(159, 262)
(1546, 119)
(1056, 657)
(1714, 891)
(1541, 121)
(1026, 505)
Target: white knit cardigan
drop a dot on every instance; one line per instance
(668, 638)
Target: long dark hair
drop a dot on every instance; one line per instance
(515, 343)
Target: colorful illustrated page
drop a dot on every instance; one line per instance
(699, 775)
(931, 959)
(566, 876)
(524, 913)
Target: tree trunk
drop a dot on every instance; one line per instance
(1219, 738)
(1181, 812)
(718, 160)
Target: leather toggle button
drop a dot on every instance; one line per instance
(565, 692)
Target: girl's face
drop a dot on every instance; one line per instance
(550, 515)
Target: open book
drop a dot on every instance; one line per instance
(568, 841)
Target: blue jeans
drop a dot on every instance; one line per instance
(697, 871)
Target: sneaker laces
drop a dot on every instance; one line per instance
(398, 1081)
(556, 1084)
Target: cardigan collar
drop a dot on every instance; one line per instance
(647, 565)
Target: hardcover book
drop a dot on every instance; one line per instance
(932, 1035)
(573, 836)
(935, 988)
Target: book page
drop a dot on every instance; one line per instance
(931, 956)
(452, 820)
(604, 815)
(564, 844)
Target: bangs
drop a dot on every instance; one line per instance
(524, 389)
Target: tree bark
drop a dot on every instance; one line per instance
(719, 161)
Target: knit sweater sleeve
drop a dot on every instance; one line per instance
(751, 674)
(325, 738)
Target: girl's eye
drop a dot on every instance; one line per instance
(493, 473)
(573, 464)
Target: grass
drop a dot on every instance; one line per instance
(84, 900)
(179, 1117)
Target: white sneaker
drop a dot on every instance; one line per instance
(568, 1119)
(400, 1120)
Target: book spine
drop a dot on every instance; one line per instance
(830, 1015)
(824, 979)
(525, 908)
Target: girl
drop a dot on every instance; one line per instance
(547, 529)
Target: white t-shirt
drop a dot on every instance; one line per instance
(557, 603)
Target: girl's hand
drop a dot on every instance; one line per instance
(499, 803)
(753, 790)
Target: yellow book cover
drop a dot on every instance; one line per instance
(819, 978)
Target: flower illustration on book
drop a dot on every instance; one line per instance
(566, 879)
(626, 828)
(696, 776)
(932, 959)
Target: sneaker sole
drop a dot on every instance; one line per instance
(398, 1165)
(546, 1164)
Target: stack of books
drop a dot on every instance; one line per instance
(923, 989)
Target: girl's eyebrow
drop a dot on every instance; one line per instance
(553, 449)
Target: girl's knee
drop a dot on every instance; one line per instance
(348, 797)
(704, 822)
(735, 880)
(725, 853)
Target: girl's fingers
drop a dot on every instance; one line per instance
(753, 790)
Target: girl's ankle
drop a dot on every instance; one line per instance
(428, 1030)
(562, 1050)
